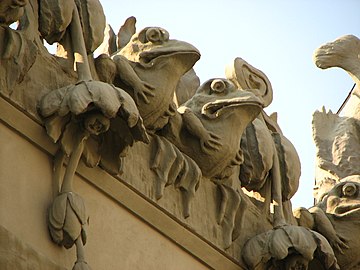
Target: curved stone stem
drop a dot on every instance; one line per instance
(279, 219)
(67, 185)
(58, 171)
(80, 252)
(81, 63)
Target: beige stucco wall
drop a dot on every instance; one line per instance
(124, 229)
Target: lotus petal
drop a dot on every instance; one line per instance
(78, 206)
(327, 253)
(91, 153)
(57, 211)
(76, 99)
(255, 251)
(72, 228)
(70, 138)
(128, 109)
(280, 243)
(55, 126)
(51, 102)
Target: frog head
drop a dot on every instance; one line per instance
(343, 200)
(152, 46)
(219, 98)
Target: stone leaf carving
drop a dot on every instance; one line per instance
(268, 154)
(108, 45)
(93, 23)
(17, 49)
(202, 132)
(55, 17)
(173, 167)
(126, 31)
(247, 77)
(124, 128)
(187, 86)
(289, 247)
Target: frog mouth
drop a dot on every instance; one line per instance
(217, 108)
(147, 57)
(169, 49)
(347, 210)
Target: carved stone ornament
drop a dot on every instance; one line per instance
(206, 156)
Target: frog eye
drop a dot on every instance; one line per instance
(349, 189)
(153, 35)
(218, 86)
(164, 34)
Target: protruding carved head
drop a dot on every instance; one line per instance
(342, 52)
(152, 44)
(343, 200)
(218, 97)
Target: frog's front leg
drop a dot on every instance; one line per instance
(324, 226)
(142, 90)
(209, 141)
(315, 218)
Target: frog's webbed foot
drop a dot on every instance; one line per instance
(143, 90)
(210, 143)
(339, 243)
(229, 205)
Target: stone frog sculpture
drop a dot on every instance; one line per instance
(220, 109)
(337, 217)
(149, 67)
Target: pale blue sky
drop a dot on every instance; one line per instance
(277, 37)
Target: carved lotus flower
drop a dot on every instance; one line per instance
(68, 219)
(289, 248)
(84, 95)
(106, 112)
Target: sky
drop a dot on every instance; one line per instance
(277, 37)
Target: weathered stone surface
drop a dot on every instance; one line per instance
(216, 167)
(15, 254)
